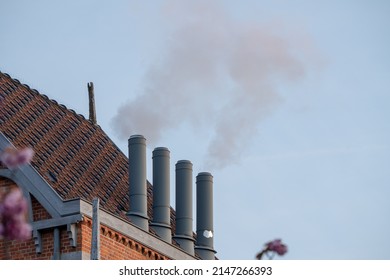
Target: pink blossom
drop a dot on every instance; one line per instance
(16, 230)
(14, 203)
(13, 212)
(276, 246)
(13, 158)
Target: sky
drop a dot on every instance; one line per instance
(286, 103)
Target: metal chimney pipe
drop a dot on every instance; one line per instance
(137, 181)
(161, 203)
(204, 216)
(184, 233)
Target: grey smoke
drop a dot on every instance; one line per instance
(235, 66)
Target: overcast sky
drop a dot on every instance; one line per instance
(286, 103)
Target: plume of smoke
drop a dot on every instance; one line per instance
(235, 66)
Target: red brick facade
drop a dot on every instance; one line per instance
(114, 245)
(74, 163)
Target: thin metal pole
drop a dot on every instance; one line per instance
(95, 246)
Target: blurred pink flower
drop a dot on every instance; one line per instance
(13, 212)
(14, 203)
(275, 246)
(13, 158)
(17, 230)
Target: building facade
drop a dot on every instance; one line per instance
(88, 200)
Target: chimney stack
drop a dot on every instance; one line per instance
(92, 110)
(161, 223)
(137, 181)
(204, 216)
(184, 233)
(161, 203)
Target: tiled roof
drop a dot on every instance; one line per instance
(74, 156)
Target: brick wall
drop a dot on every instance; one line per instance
(5, 185)
(116, 246)
(113, 245)
(39, 213)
